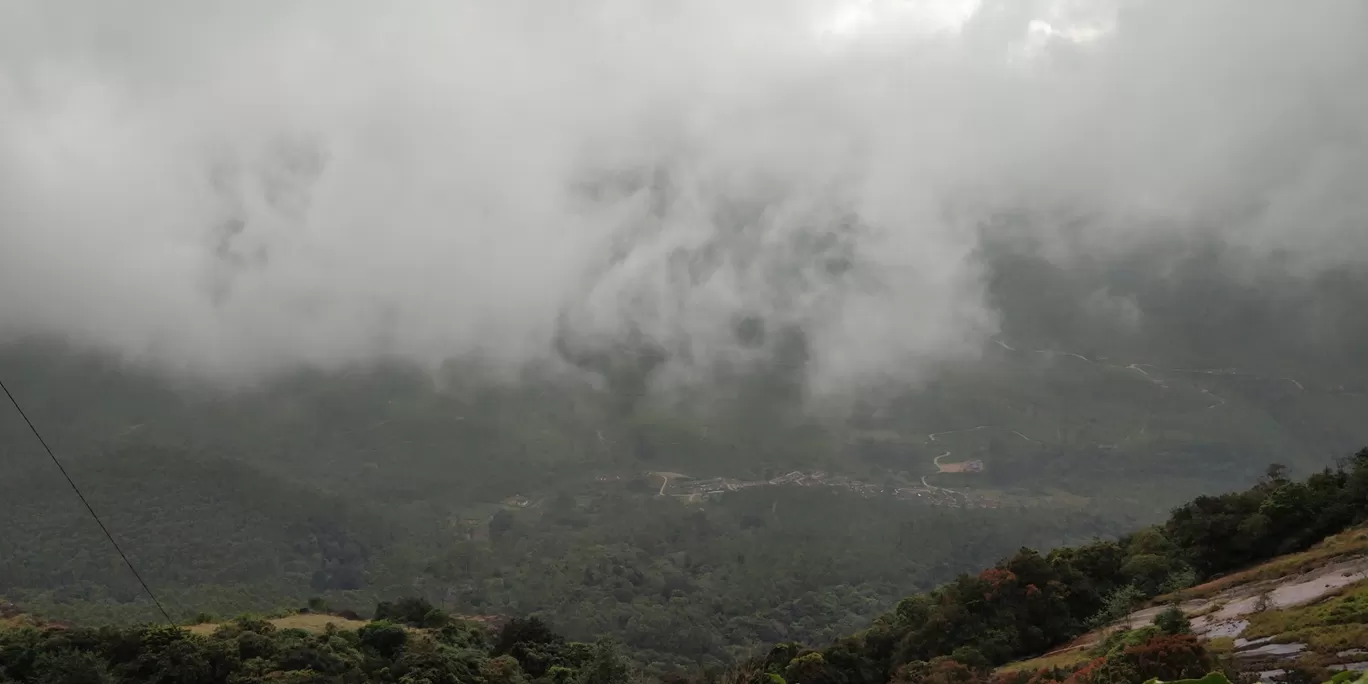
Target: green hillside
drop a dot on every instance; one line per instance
(1026, 604)
(536, 497)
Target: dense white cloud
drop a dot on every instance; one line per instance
(232, 188)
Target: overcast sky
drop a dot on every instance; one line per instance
(233, 188)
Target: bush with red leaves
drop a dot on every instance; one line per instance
(1168, 657)
(1165, 656)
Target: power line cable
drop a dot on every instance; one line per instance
(81, 496)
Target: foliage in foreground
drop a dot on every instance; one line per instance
(1151, 655)
(249, 650)
(1347, 677)
(1133, 657)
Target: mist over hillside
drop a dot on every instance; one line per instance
(316, 183)
(735, 320)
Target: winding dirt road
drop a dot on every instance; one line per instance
(1140, 367)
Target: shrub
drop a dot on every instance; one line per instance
(1172, 620)
(413, 611)
(384, 637)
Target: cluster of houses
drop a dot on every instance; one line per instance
(695, 490)
(974, 466)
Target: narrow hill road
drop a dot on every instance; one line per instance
(1140, 367)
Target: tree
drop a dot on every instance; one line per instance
(500, 524)
(384, 637)
(1172, 620)
(1274, 476)
(69, 667)
(502, 670)
(1118, 605)
(1147, 572)
(413, 611)
(531, 642)
(606, 667)
(809, 668)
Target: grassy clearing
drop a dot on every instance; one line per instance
(1221, 645)
(1344, 611)
(1330, 639)
(311, 622)
(12, 617)
(16, 621)
(1060, 659)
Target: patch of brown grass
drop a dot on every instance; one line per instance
(13, 617)
(315, 622)
(1341, 610)
(310, 622)
(1221, 645)
(1057, 659)
(1333, 639)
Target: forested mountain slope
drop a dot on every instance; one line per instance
(555, 495)
(1026, 604)
(691, 519)
(1031, 602)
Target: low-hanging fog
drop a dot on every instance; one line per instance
(232, 189)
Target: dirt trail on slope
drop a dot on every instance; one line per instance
(666, 478)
